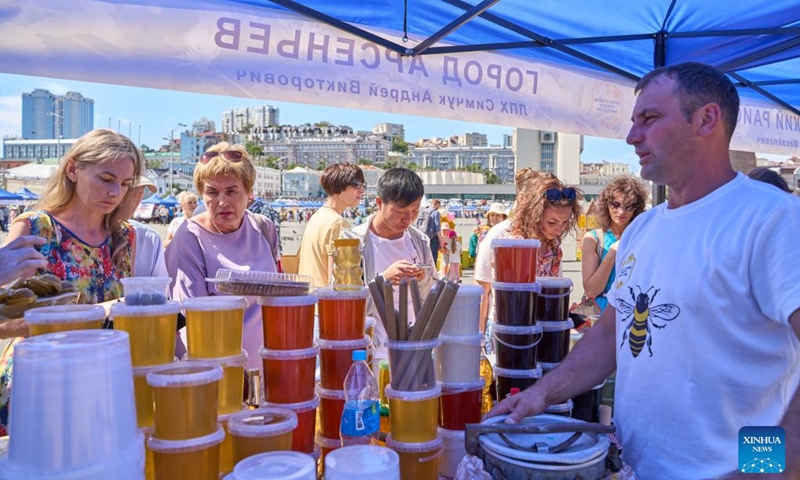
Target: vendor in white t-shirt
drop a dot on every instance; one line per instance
(391, 245)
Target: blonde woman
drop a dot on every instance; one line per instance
(83, 215)
(188, 206)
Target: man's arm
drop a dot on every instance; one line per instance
(587, 365)
(791, 420)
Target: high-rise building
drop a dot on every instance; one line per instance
(249, 120)
(473, 140)
(557, 153)
(49, 116)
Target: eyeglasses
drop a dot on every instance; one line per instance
(628, 208)
(359, 185)
(230, 155)
(554, 194)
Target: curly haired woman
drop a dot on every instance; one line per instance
(619, 203)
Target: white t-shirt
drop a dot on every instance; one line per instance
(174, 224)
(721, 277)
(389, 251)
(455, 258)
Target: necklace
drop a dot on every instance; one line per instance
(219, 232)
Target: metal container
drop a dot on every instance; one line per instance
(544, 447)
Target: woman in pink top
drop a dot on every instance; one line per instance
(226, 235)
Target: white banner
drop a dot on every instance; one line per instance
(233, 49)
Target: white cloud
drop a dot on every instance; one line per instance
(10, 115)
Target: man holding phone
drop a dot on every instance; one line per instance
(392, 246)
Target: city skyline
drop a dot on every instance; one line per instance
(134, 111)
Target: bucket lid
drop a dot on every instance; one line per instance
(417, 447)
(453, 388)
(516, 243)
(262, 422)
(120, 309)
(65, 314)
(416, 396)
(298, 301)
(363, 460)
(96, 342)
(233, 361)
(547, 366)
(143, 371)
(300, 354)
(329, 394)
(516, 330)
(352, 293)
(183, 446)
(358, 344)
(555, 282)
(560, 407)
(283, 465)
(325, 442)
(213, 303)
(299, 407)
(446, 434)
(559, 326)
(469, 340)
(184, 374)
(408, 345)
(511, 373)
(535, 287)
(588, 446)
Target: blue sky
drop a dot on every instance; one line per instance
(159, 111)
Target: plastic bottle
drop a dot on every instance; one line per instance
(361, 414)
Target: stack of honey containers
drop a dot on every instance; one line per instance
(515, 333)
(342, 321)
(552, 314)
(531, 333)
(458, 371)
(289, 358)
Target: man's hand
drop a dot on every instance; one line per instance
(524, 404)
(402, 269)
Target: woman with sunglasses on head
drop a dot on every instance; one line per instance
(619, 203)
(226, 235)
(344, 183)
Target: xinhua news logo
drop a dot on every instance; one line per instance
(762, 450)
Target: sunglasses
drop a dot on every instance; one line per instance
(554, 194)
(616, 206)
(230, 155)
(359, 185)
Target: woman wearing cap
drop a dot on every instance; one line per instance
(619, 203)
(226, 235)
(188, 206)
(495, 214)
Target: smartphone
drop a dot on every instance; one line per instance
(422, 265)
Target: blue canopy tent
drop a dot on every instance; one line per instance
(27, 194)
(154, 199)
(170, 201)
(553, 65)
(5, 195)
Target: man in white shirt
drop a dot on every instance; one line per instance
(392, 246)
(704, 333)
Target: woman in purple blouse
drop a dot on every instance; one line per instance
(226, 235)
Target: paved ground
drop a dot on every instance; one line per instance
(292, 233)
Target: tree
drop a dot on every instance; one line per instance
(321, 165)
(399, 145)
(323, 123)
(255, 150)
(145, 149)
(272, 162)
(412, 166)
(390, 164)
(364, 161)
(491, 178)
